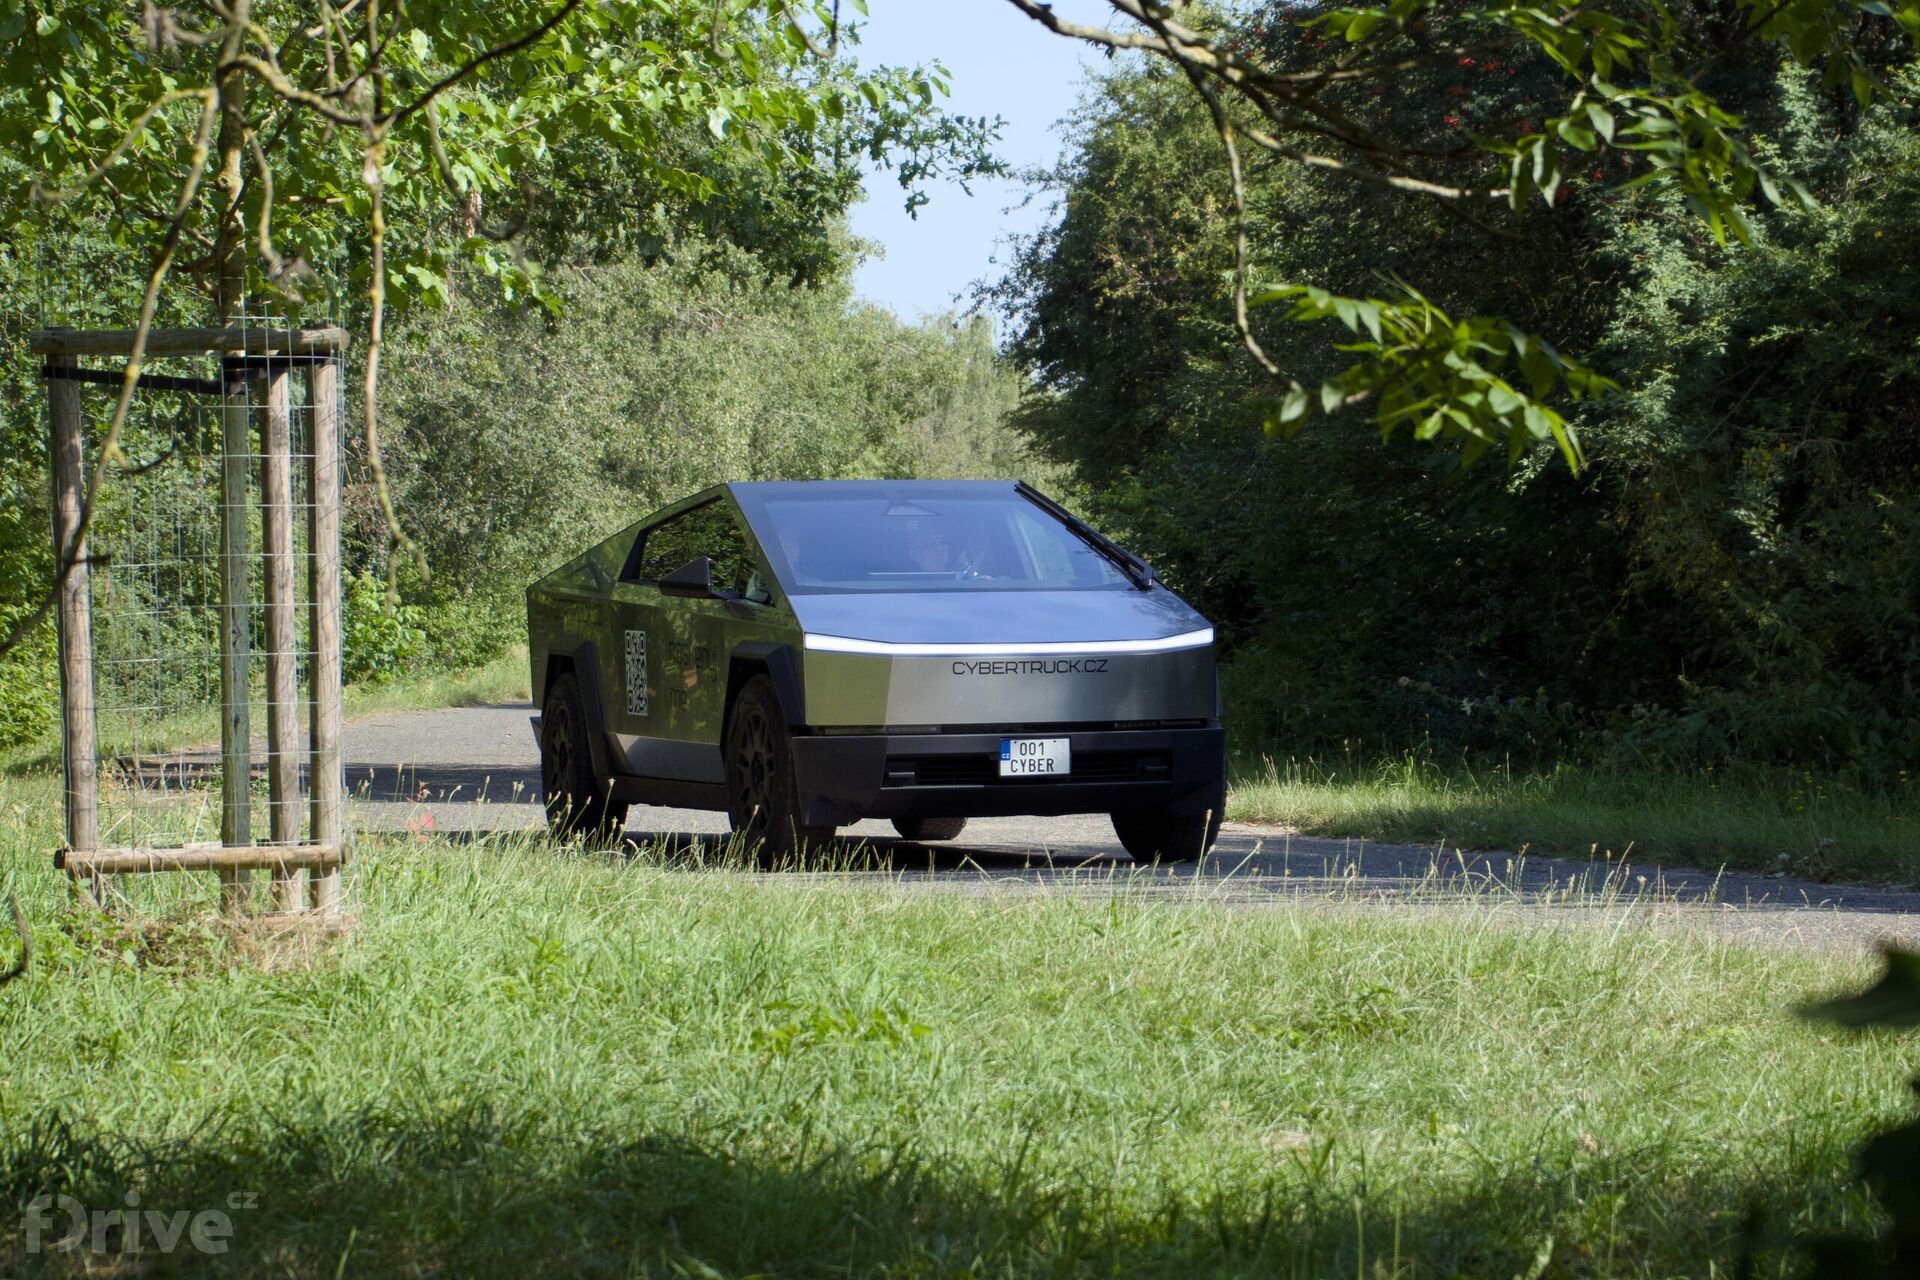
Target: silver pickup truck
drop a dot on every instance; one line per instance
(804, 655)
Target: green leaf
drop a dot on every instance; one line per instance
(1370, 317)
(1602, 120)
(1292, 412)
(1862, 88)
(1294, 407)
(1575, 135)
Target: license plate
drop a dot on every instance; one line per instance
(1035, 757)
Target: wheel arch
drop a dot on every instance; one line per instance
(582, 662)
(778, 663)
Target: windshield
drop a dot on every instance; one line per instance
(938, 542)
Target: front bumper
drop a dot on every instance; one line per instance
(845, 777)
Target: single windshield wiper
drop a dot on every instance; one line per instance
(1137, 571)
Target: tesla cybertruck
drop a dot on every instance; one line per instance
(805, 655)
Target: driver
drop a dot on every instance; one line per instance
(927, 547)
(760, 592)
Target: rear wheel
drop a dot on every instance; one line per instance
(763, 796)
(576, 801)
(930, 828)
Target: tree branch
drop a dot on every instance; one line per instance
(468, 68)
(376, 328)
(832, 47)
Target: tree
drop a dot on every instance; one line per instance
(1733, 577)
(1305, 86)
(258, 149)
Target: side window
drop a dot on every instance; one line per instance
(708, 530)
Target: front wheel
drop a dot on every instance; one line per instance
(576, 801)
(763, 795)
(1163, 837)
(924, 829)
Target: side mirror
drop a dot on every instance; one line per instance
(694, 578)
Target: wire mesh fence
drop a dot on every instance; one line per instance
(201, 577)
(158, 558)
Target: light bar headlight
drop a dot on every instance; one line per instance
(1164, 644)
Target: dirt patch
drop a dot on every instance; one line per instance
(193, 946)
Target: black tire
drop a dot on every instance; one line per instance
(763, 795)
(577, 802)
(924, 829)
(1162, 837)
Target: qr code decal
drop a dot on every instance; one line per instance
(636, 673)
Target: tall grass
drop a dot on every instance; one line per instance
(1794, 822)
(528, 1058)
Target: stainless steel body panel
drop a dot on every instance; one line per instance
(687, 643)
(1014, 689)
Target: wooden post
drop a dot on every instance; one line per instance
(283, 711)
(324, 783)
(217, 340)
(75, 612)
(194, 857)
(236, 816)
(230, 261)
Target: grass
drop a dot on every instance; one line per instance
(1819, 828)
(502, 680)
(530, 1058)
(533, 1058)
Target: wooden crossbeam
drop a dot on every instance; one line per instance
(208, 340)
(200, 857)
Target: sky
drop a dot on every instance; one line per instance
(1000, 63)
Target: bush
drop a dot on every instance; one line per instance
(471, 630)
(377, 637)
(29, 688)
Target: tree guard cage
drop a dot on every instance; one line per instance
(185, 596)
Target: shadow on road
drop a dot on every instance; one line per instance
(443, 784)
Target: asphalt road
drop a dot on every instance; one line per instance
(472, 771)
